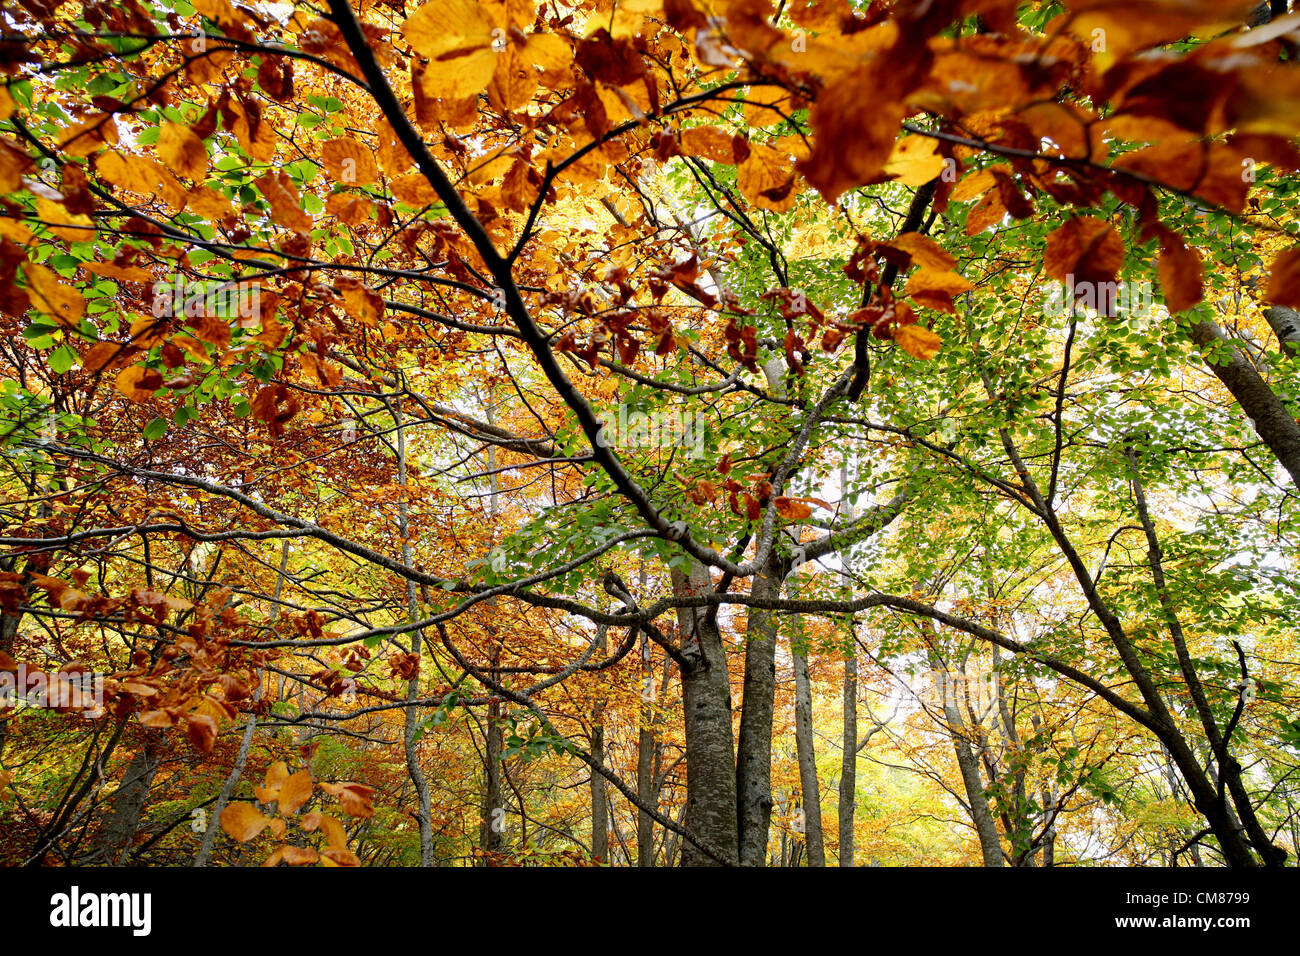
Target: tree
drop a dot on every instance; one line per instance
(358, 357)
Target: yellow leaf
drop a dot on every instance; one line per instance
(138, 383)
(53, 295)
(766, 179)
(464, 75)
(208, 203)
(414, 190)
(65, 225)
(444, 28)
(918, 341)
(914, 161)
(715, 143)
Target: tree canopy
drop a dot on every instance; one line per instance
(649, 432)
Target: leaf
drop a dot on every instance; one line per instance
(293, 855)
(1086, 249)
(1180, 274)
(155, 429)
(202, 731)
(335, 857)
(918, 341)
(456, 36)
(715, 143)
(295, 792)
(242, 822)
(138, 383)
(914, 161)
(925, 252)
(935, 288)
(53, 295)
(182, 151)
(1284, 279)
(276, 775)
(766, 179)
(791, 509)
(286, 206)
(62, 359)
(355, 798)
(349, 162)
(851, 143)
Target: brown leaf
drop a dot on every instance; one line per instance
(138, 383)
(1180, 273)
(1284, 279)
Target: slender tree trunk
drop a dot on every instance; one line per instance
(645, 760)
(493, 811)
(754, 743)
(848, 795)
(803, 735)
(710, 810)
(423, 810)
(599, 801)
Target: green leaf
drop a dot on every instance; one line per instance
(155, 429)
(63, 358)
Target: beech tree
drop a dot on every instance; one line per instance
(507, 432)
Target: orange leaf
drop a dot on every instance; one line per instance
(295, 792)
(242, 822)
(918, 341)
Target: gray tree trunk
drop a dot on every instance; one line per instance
(1286, 326)
(1269, 417)
(803, 735)
(754, 742)
(130, 799)
(848, 796)
(710, 810)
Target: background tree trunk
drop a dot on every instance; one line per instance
(803, 735)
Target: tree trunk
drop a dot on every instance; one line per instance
(130, 798)
(493, 812)
(423, 809)
(645, 761)
(1285, 324)
(754, 743)
(803, 736)
(710, 748)
(1269, 417)
(848, 796)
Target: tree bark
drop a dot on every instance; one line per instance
(848, 795)
(645, 760)
(1269, 417)
(754, 743)
(130, 799)
(803, 736)
(710, 810)
(1285, 324)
